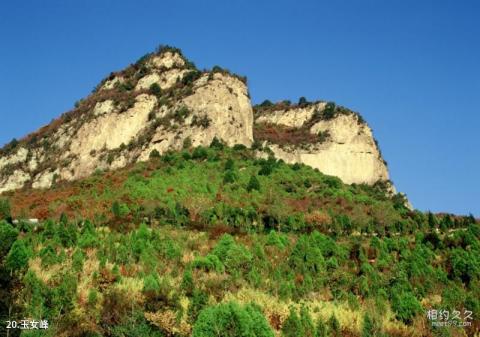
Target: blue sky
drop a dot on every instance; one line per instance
(411, 68)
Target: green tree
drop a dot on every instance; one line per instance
(229, 164)
(329, 111)
(8, 235)
(253, 184)
(307, 323)
(77, 260)
(17, 258)
(155, 89)
(120, 210)
(187, 284)
(292, 327)
(370, 327)
(334, 327)
(232, 320)
(432, 220)
(5, 211)
(405, 305)
(198, 302)
(229, 177)
(154, 154)
(321, 330)
(302, 101)
(266, 103)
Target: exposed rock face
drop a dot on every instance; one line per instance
(124, 121)
(345, 148)
(163, 103)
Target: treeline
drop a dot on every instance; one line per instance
(52, 272)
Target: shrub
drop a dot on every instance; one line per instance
(88, 238)
(92, 297)
(203, 121)
(181, 113)
(238, 260)
(208, 263)
(229, 164)
(370, 327)
(48, 256)
(239, 147)
(77, 260)
(18, 256)
(334, 327)
(232, 320)
(151, 284)
(120, 210)
(198, 302)
(277, 239)
(187, 143)
(8, 235)
(306, 256)
(154, 154)
(216, 144)
(229, 177)
(65, 293)
(302, 101)
(266, 103)
(306, 323)
(200, 153)
(67, 233)
(253, 184)
(329, 111)
(266, 169)
(321, 329)
(292, 326)
(223, 246)
(187, 284)
(155, 89)
(465, 265)
(405, 305)
(5, 212)
(190, 77)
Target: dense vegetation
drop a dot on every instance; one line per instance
(214, 242)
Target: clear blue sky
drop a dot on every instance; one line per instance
(412, 68)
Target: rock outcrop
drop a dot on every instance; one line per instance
(161, 103)
(333, 139)
(164, 103)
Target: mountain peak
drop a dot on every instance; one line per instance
(163, 102)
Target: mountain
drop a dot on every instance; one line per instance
(165, 205)
(162, 103)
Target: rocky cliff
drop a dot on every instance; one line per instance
(333, 139)
(161, 103)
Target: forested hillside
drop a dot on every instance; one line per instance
(213, 241)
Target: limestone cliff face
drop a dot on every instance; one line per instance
(344, 144)
(158, 104)
(164, 103)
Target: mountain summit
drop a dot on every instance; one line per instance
(163, 102)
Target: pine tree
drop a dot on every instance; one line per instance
(369, 329)
(306, 322)
(432, 220)
(253, 184)
(17, 258)
(321, 328)
(8, 235)
(5, 211)
(292, 327)
(334, 327)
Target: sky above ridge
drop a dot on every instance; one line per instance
(411, 68)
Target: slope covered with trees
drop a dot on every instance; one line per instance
(216, 242)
